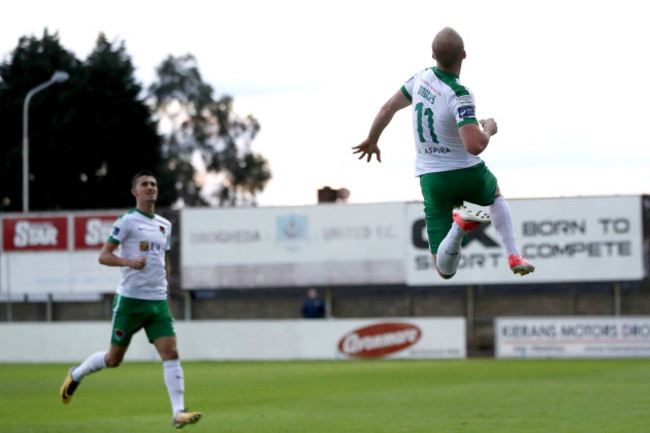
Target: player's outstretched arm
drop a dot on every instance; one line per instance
(369, 147)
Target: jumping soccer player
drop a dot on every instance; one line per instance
(448, 140)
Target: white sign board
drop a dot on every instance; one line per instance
(56, 255)
(293, 246)
(572, 337)
(567, 239)
(402, 337)
(63, 275)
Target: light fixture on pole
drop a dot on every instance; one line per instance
(57, 77)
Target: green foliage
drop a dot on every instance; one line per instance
(198, 125)
(87, 136)
(111, 116)
(377, 396)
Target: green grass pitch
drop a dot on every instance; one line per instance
(373, 396)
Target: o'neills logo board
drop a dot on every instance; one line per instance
(419, 338)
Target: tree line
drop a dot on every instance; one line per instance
(89, 135)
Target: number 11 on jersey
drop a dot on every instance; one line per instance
(428, 113)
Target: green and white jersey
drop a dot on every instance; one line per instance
(140, 234)
(441, 105)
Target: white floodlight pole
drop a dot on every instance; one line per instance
(57, 77)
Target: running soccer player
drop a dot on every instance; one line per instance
(141, 300)
(448, 140)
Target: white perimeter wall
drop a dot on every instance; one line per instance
(229, 339)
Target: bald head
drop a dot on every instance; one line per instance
(448, 48)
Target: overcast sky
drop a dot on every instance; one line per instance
(567, 82)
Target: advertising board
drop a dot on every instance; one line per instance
(56, 255)
(293, 246)
(572, 337)
(567, 239)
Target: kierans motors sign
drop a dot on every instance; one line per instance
(567, 239)
(572, 337)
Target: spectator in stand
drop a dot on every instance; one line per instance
(313, 307)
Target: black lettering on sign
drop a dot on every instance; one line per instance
(417, 234)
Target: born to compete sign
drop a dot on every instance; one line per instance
(567, 239)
